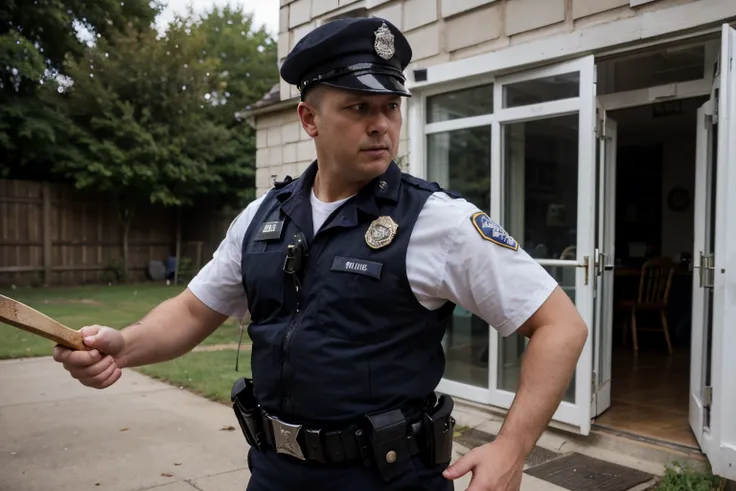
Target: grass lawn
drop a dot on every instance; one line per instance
(210, 374)
(115, 306)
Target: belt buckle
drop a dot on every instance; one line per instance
(285, 437)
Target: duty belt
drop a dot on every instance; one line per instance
(330, 446)
(384, 438)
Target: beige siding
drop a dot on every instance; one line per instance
(439, 31)
(286, 149)
(445, 30)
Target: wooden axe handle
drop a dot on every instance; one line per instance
(20, 315)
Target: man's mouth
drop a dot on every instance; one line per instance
(376, 149)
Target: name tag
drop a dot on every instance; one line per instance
(358, 266)
(270, 231)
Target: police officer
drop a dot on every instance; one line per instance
(350, 274)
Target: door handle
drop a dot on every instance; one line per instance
(707, 263)
(601, 265)
(586, 265)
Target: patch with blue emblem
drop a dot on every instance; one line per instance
(493, 232)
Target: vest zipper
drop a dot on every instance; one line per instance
(286, 353)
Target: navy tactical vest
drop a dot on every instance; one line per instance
(347, 336)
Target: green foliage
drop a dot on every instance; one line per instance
(681, 477)
(185, 269)
(247, 69)
(90, 92)
(116, 306)
(35, 39)
(140, 130)
(151, 118)
(247, 57)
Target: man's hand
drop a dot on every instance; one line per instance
(98, 367)
(496, 466)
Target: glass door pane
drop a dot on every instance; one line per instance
(540, 210)
(546, 163)
(460, 161)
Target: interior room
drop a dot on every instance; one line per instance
(654, 235)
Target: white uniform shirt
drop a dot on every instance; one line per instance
(447, 259)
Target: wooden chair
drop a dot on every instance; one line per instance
(654, 290)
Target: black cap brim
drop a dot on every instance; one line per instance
(374, 83)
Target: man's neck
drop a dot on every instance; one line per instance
(329, 189)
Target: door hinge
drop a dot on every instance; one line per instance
(600, 124)
(707, 396)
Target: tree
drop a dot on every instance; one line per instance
(151, 118)
(247, 68)
(140, 130)
(35, 38)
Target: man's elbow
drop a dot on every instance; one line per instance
(559, 315)
(579, 333)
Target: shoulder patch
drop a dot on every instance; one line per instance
(493, 232)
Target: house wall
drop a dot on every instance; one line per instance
(284, 148)
(439, 31)
(446, 30)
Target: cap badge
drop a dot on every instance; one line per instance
(384, 42)
(381, 232)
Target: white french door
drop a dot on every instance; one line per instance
(543, 182)
(604, 263)
(713, 365)
(702, 309)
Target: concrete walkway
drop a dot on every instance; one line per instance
(139, 434)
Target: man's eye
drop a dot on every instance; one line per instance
(393, 105)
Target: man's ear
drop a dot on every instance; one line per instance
(307, 115)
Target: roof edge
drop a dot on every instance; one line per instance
(250, 113)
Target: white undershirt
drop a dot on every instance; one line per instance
(322, 209)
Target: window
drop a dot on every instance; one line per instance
(474, 101)
(652, 68)
(458, 148)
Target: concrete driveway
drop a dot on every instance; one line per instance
(139, 434)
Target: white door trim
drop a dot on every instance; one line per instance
(721, 448)
(703, 189)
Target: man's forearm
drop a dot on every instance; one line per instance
(549, 361)
(170, 330)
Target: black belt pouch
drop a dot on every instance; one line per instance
(388, 435)
(440, 428)
(248, 412)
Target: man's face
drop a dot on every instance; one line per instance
(357, 134)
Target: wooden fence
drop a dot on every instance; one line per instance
(54, 234)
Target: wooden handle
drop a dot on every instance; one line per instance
(20, 315)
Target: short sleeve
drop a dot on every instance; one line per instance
(219, 284)
(458, 253)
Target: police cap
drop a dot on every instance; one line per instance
(366, 54)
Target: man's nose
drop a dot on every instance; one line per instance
(378, 124)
